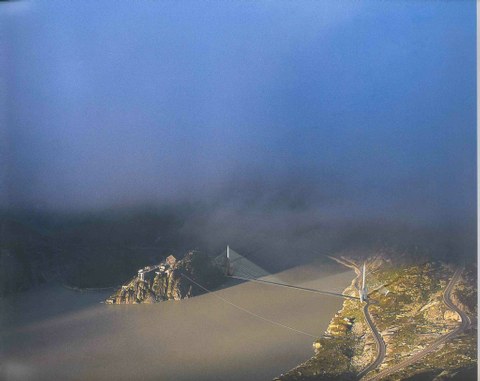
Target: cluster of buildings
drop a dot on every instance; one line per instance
(163, 267)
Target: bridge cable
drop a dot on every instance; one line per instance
(250, 312)
(331, 293)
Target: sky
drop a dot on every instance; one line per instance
(366, 107)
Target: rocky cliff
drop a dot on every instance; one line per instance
(171, 283)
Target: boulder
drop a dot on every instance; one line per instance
(451, 315)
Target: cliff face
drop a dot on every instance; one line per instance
(170, 284)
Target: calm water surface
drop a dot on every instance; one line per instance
(56, 334)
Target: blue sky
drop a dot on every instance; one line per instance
(118, 102)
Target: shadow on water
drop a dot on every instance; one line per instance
(57, 300)
(56, 332)
(64, 334)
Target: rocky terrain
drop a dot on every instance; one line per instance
(169, 282)
(408, 310)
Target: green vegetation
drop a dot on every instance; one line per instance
(454, 358)
(406, 304)
(332, 361)
(466, 295)
(343, 352)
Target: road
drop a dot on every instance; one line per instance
(381, 347)
(465, 319)
(465, 324)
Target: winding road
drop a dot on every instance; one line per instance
(380, 344)
(465, 324)
(381, 347)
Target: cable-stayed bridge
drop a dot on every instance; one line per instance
(239, 267)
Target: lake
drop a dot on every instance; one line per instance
(52, 333)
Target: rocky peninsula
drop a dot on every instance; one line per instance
(170, 280)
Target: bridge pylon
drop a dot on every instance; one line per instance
(228, 264)
(363, 292)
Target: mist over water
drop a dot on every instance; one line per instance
(197, 339)
(288, 130)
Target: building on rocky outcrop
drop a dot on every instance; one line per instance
(170, 280)
(171, 260)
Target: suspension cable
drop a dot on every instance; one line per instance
(250, 312)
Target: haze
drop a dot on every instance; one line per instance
(357, 108)
(289, 130)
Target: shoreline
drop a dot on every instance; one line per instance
(87, 289)
(349, 291)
